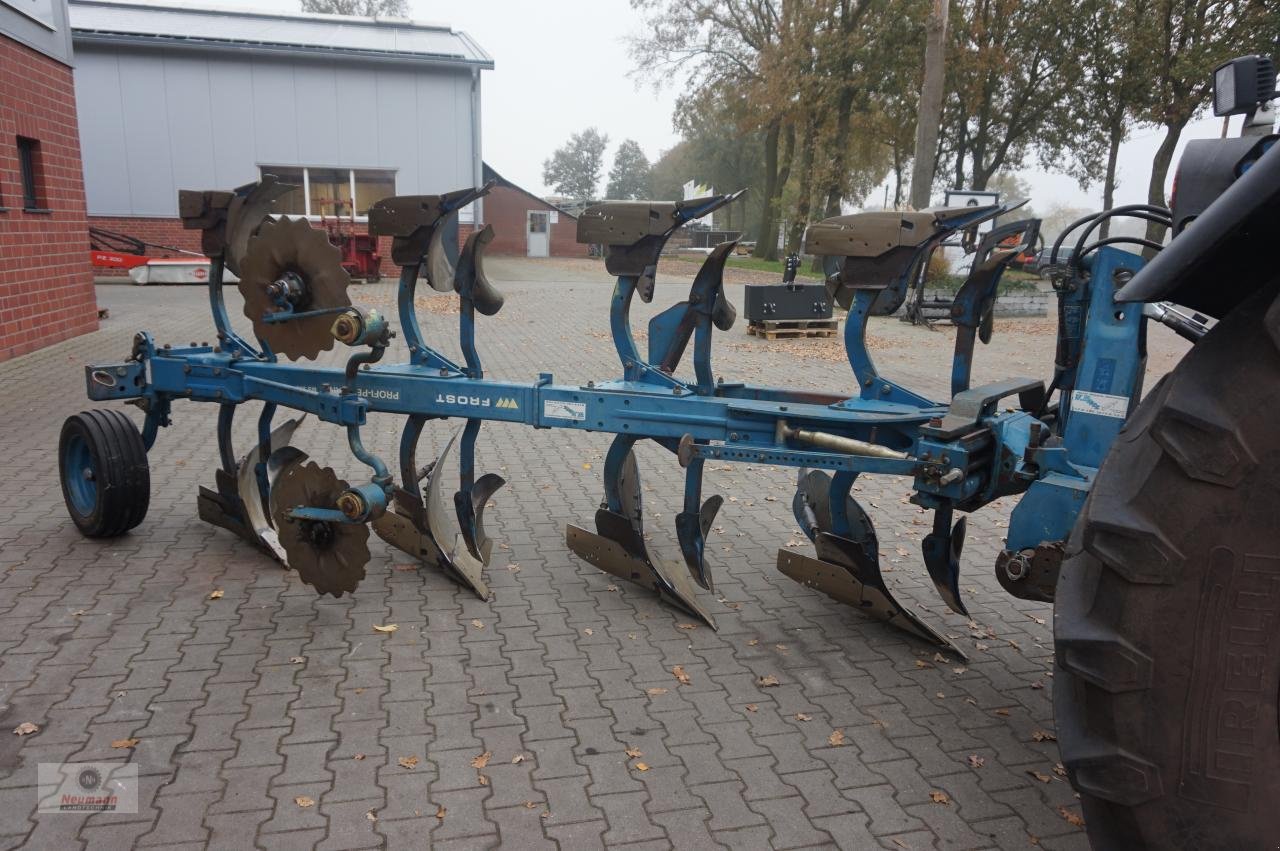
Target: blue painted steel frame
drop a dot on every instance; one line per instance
(726, 422)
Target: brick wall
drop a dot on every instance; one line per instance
(505, 209)
(46, 286)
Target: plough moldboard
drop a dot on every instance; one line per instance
(983, 443)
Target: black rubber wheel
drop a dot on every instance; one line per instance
(1167, 620)
(102, 462)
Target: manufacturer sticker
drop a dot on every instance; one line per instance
(1102, 404)
(554, 410)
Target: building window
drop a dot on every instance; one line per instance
(324, 191)
(29, 164)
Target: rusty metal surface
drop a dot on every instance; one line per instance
(329, 557)
(855, 586)
(246, 212)
(668, 578)
(625, 222)
(292, 245)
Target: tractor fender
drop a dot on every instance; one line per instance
(1224, 254)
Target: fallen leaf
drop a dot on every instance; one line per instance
(545, 814)
(216, 594)
(1043, 778)
(440, 811)
(517, 759)
(680, 675)
(631, 635)
(586, 466)
(976, 761)
(405, 567)
(800, 716)
(1037, 685)
(836, 739)
(589, 631)
(634, 752)
(686, 626)
(482, 760)
(358, 757)
(940, 798)
(1044, 736)
(125, 743)
(371, 815)
(26, 728)
(753, 642)
(484, 781)
(751, 707)
(297, 660)
(514, 567)
(640, 766)
(980, 646)
(304, 802)
(1072, 818)
(391, 627)
(656, 690)
(1004, 713)
(477, 623)
(528, 805)
(408, 761)
(920, 663)
(611, 588)
(767, 681)
(940, 659)
(1060, 769)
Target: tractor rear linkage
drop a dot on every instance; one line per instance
(960, 455)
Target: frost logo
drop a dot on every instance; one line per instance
(79, 787)
(463, 401)
(508, 403)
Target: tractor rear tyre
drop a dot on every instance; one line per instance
(1167, 620)
(106, 482)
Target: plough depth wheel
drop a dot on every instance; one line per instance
(106, 482)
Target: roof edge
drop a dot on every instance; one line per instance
(213, 8)
(89, 36)
(491, 173)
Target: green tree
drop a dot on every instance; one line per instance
(361, 8)
(629, 177)
(729, 45)
(1183, 41)
(1009, 66)
(1112, 92)
(574, 169)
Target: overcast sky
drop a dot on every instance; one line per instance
(562, 66)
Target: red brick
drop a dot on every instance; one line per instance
(46, 282)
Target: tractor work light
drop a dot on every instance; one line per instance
(1241, 84)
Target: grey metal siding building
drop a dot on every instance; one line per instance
(173, 98)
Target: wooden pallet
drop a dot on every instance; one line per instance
(788, 329)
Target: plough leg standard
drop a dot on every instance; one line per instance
(960, 455)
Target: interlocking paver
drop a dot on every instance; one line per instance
(105, 640)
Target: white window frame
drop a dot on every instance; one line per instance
(306, 183)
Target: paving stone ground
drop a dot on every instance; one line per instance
(243, 704)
